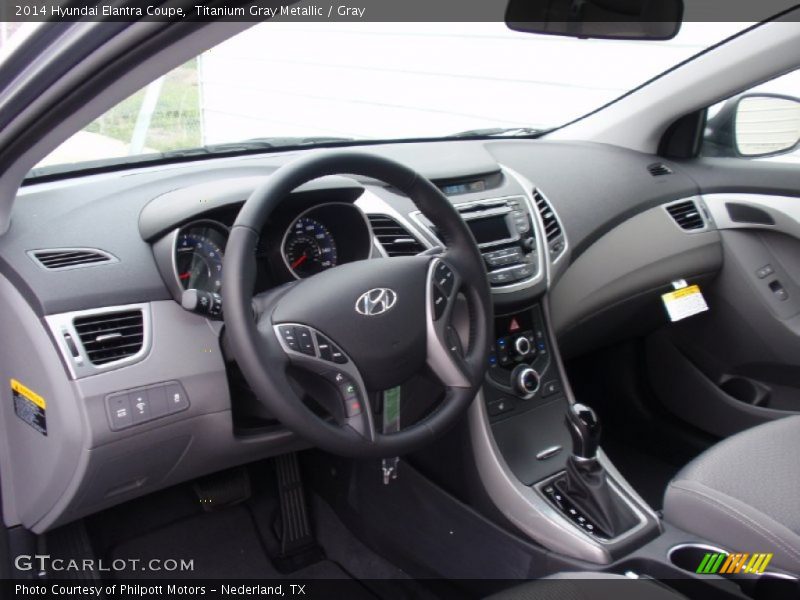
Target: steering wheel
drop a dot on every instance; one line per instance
(361, 327)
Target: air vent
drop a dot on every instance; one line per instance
(659, 169)
(70, 258)
(552, 228)
(686, 215)
(395, 239)
(111, 336)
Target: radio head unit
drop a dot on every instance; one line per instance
(503, 229)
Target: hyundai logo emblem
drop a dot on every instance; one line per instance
(376, 301)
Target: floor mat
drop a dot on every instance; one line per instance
(221, 544)
(234, 543)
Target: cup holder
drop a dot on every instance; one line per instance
(689, 556)
(745, 390)
(766, 586)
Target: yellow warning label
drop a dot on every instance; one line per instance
(681, 293)
(684, 302)
(28, 393)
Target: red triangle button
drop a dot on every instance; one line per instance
(514, 325)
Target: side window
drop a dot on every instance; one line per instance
(762, 123)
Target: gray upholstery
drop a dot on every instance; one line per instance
(744, 493)
(589, 586)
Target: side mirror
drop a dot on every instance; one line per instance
(602, 19)
(766, 125)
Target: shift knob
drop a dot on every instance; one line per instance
(584, 427)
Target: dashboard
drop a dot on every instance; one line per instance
(151, 244)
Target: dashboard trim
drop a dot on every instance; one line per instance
(63, 323)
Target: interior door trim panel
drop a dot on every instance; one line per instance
(783, 210)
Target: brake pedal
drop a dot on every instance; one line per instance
(298, 545)
(224, 489)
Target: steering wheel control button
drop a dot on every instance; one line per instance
(289, 337)
(439, 303)
(177, 400)
(444, 277)
(304, 340)
(337, 355)
(118, 408)
(325, 348)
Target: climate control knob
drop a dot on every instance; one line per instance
(525, 380)
(522, 345)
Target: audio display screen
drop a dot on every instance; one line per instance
(490, 229)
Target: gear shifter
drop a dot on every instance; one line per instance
(586, 483)
(584, 427)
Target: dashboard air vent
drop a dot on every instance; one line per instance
(111, 336)
(70, 258)
(658, 169)
(395, 239)
(686, 215)
(552, 227)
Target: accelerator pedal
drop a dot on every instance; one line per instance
(299, 547)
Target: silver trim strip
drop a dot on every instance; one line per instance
(80, 366)
(784, 210)
(528, 510)
(371, 204)
(548, 452)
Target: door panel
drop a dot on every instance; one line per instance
(738, 364)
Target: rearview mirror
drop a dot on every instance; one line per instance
(604, 19)
(766, 125)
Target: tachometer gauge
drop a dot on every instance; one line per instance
(199, 251)
(308, 248)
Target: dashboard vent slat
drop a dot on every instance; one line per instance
(395, 239)
(69, 258)
(552, 227)
(686, 215)
(107, 337)
(659, 169)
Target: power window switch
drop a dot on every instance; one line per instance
(119, 412)
(765, 272)
(779, 291)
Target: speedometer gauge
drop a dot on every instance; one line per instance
(199, 252)
(308, 248)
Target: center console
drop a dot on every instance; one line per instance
(504, 230)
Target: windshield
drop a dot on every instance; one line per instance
(280, 84)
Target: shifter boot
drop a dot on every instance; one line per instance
(586, 486)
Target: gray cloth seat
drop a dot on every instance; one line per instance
(744, 493)
(588, 586)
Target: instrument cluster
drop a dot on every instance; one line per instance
(293, 246)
